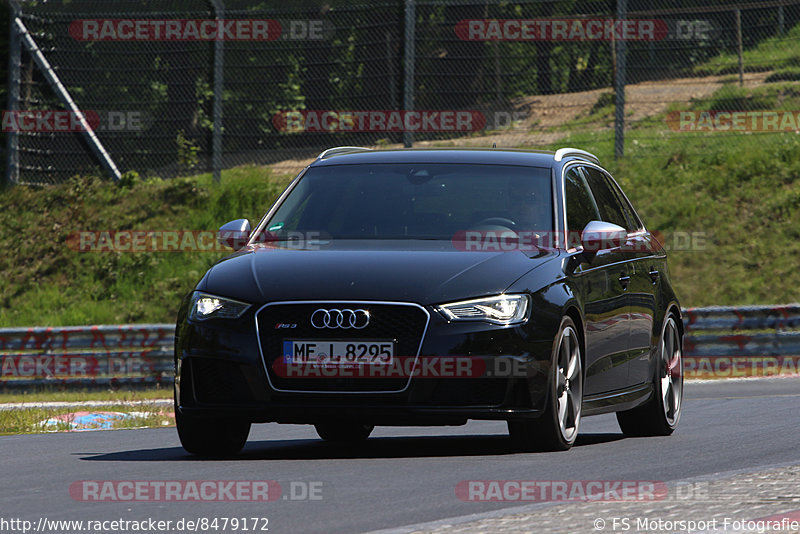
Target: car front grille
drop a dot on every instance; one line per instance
(404, 324)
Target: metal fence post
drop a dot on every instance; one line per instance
(619, 85)
(219, 49)
(14, 61)
(408, 79)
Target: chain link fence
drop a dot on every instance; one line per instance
(189, 86)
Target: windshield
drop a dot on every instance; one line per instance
(414, 201)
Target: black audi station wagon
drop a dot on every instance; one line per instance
(431, 287)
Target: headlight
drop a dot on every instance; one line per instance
(205, 306)
(502, 309)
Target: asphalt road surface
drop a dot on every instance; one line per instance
(399, 477)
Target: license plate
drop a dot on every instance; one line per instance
(339, 352)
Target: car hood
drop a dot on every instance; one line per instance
(424, 272)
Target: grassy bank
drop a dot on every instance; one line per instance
(45, 282)
(779, 53)
(735, 197)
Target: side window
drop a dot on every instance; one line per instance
(580, 205)
(634, 223)
(607, 200)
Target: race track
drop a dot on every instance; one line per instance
(401, 476)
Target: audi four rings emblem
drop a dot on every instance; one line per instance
(356, 319)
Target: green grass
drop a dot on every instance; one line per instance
(731, 97)
(601, 115)
(112, 396)
(770, 54)
(28, 421)
(784, 74)
(45, 282)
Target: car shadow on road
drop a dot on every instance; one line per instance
(383, 447)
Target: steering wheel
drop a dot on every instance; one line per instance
(500, 221)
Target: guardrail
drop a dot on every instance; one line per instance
(86, 356)
(719, 342)
(741, 341)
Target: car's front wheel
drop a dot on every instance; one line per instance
(343, 431)
(659, 416)
(557, 428)
(211, 437)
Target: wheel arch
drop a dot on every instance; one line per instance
(573, 312)
(674, 309)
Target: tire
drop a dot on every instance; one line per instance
(343, 431)
(211, 437)
(659, 416)
(557, 428)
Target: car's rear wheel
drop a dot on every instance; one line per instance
(557, 428)
(211, 437)
(343, 431)
(659, 416)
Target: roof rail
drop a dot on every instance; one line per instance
(562, 153)
(335, 151)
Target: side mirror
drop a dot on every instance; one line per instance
(234, 234)
(600, 235)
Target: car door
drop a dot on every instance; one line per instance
(636, 255)
(644, 263)
(603, 286)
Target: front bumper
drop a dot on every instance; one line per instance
(221, 372)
